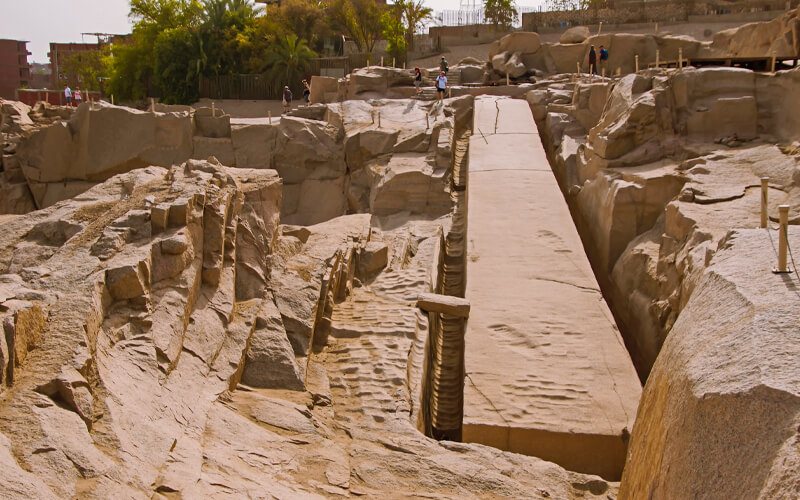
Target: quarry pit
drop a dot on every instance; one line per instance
(557, 289)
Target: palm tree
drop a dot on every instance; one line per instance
(416, 14)
(288, 60)
(244, 9)
(214, 12)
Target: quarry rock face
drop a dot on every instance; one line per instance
(697, 405)
(664, 185)
(193, 305)
(779, 36)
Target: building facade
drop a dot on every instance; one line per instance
(59, 52)
(15, 71)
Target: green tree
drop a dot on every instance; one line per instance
(360, 19)
(416, 14)
(394, 32)
(132, 65)
(305, 18)
(501, 13)
(179, 61)
(288, 60)
(226, 30)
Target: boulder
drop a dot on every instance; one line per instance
(576, 34)
(324, 89)
(524, 42)
(270, 361)
(407, 184)
(372, 259)
(472, 73)
(377, 79)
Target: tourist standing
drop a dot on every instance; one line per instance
(306, 92)
(592, 60)
(441, 85)
(287, 99)
(443, 66)
(603, 58)
(68, 94)
(417, 78)
(77, 96)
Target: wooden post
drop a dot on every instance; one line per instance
(508, 80)
(773, 61)
(38, 97)
(578, 65)
(591, 70)
(152, 105)
(381, 60)
(619, 71)
(427, 121)
(213, 110)
(656, 28)
(603, 72)
(379, 119)
(393, 63)
(404, 65)
(764, 200)
(600, 27)
(680, 57)
(782, 239)
(658, 57)
(269, 115)
(372, 115)
(636, 60)
(112, 99)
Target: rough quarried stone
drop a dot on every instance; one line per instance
(720, 408)
(576, 34)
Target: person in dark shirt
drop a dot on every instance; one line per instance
(592, 60)
(418, 79)
(443, 65)
(287, 99)
(306, 92)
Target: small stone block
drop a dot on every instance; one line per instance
(445, 304)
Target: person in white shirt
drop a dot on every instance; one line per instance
(441, 85)
(77, 96)
(68, 94)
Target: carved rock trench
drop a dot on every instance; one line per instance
(168, 335)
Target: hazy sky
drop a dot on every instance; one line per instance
(44, 21)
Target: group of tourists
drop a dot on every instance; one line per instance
(287, 96)
(593, 67)
(73, 98)
(441, 79)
